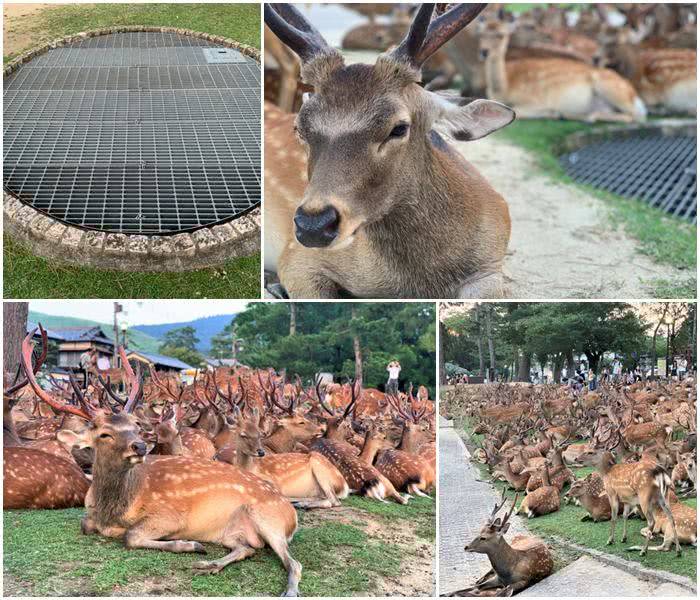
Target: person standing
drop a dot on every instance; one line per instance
(592, 381)
(682, 368)
(392, 385)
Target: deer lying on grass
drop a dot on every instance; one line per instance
(390, 209)
(590, 493)
(515, 566)
(160, 504)
(555, 88)
(684, 524)
(32, 477)
(543, 500)
(640, 484)
(362, 478)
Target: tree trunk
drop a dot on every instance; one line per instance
(489, 340)
(570, 366)
(653, 341)
(524, 367)
(557, 364)
(292, 318)
(441, 352)
(14, 316)
(480, 339)
(357, 349)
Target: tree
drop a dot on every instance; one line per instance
(14, 318)
(356, 347)
(181, 343)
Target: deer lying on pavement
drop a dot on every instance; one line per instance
(390, 208)
(515, 566)
(160, 504)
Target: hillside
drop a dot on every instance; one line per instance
(205, 328)
(138, 340)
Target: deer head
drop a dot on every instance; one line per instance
(493, 531)
(369, 130)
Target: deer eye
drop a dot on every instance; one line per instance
(244, 435)
(399, 131)
(106, 436)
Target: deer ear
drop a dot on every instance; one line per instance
(504, 529)
(72, 439)
(474, 120)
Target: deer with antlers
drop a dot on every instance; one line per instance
(33, 477)
(515, 566)
(390, 209)
(642, 484)
(363, 478)
(160, 504)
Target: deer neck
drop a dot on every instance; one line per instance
(409, 439)
(496, 74)
(280, 440)
(503, 559)
(369, 450)
(114, 489)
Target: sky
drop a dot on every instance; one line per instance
(139, 312)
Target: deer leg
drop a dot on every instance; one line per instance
(237, 553)
(147, 535)
(626, 509)
(279, 546)
(669, 515)
(614, 508)
(308, 503)
(413, 488)
(298, 274)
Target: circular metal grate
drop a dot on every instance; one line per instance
(659, 169)
(138, 132)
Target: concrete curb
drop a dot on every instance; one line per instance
(55, 240)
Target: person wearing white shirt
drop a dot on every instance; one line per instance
(392, 385)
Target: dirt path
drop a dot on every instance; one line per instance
(561, 245)
(20, 30)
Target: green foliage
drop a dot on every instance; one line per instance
(45, 555)
(30, 276)
(181, 343)
(324, 339)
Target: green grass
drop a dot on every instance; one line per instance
(240, 22)
(30, 276)
(45, 555)
(422, 511)
(665, 239)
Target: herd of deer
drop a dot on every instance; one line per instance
(223, 460)
(641, 440)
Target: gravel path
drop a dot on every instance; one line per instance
(561, 245)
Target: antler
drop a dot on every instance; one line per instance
(353, 398)
(27, 349)
(292, 28)
(322, 398)
(37, 365)
(425, 38)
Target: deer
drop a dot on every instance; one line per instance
(308, 480)
(288, 65)
(684, 525)
(32, 477)
(362, 477)
(365, 198)
(515, 566)
(159, 504)
(543, 500)
(640, 484)
(590, 493)
(554, 87)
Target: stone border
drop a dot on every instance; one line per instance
(55, 240)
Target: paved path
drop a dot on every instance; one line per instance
(465, 503)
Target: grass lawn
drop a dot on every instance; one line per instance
(240, 22)
(45, 555)
(666, 239)
(566, 524)
(30, 276)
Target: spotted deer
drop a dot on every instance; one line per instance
(543, 500)
(308, 480)
(364, 195)
(160, 504)
(590, 494)
(554, 87)
(685, 521)
(514, 566)
(641, 484)
(32, 476)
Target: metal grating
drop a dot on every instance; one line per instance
(134, 133)
(660, 170)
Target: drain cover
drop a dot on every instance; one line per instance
(661, 170)
(139, 133)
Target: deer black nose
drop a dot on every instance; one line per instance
(139, 448)
(261, 452)
(483, 54)
(316, 230)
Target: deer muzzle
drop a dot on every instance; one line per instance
(316, 230)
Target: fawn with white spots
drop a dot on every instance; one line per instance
(364, 196)
(174, 503)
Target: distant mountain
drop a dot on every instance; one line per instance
(206, 328)
(138, 340)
